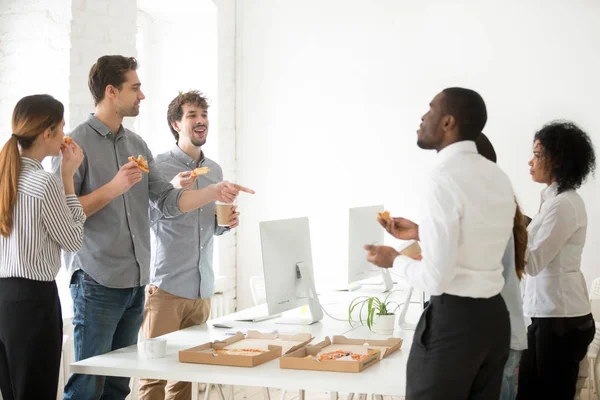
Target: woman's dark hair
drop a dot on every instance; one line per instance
(485, 148)
(568, 153)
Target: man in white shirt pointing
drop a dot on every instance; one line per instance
(461, 342)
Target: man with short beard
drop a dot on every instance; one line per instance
(181, 275)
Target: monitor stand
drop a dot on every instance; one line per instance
(402, 316)
(307, 283)
(388, 283)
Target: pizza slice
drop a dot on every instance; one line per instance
(239, 352)
(141, 163)
(200, 171)
(385, 216)
(339, 354)
(67, 140)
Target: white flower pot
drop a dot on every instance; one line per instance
(384, 324)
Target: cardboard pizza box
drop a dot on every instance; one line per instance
(373, 351)
(272, 344)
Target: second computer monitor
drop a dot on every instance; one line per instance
(288, 268)
(363, 229)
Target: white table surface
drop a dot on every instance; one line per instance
(386, 377)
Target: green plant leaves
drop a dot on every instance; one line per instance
(374, 306)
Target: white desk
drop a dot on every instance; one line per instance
(386, 377)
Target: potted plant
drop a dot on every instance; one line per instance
(380, 314)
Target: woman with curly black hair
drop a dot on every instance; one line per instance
(555, 295)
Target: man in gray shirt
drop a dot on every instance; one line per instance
(181, 275)
(110, 271)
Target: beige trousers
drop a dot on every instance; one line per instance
(165, 313)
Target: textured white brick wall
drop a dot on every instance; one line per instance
(30, 62)
(98, 27)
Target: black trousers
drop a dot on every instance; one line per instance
(555, 347)
(459, 349)
(30, 339)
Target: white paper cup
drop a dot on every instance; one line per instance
(155, 348)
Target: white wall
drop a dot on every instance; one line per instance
(330, 94)
(98, 28)
(31, 63)
(177, 52)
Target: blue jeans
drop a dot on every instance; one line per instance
(509, 376)
(105, 320)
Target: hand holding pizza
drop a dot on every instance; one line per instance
(183, 180)
(72, 156)
(128, 175)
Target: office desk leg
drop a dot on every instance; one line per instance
(266, 394)
(219, 391)
(195, 390)
(302, 394)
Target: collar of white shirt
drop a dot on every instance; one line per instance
(550, 192)
(464, 146)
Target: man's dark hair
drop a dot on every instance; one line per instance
(485, 148)
(568, 152)
(109, 70)
(175, 110)
(468, 109)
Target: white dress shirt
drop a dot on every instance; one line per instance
(44, 221)
(466, 222)
(555, 286)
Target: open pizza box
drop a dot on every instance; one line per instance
(363, 354)
(253, 349)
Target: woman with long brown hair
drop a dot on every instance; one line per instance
(38, 218)
(513, 261)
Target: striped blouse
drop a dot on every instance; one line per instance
(44, 221)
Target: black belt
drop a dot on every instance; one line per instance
(452, 299)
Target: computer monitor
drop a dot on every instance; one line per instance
(363, 228)
(288, 269)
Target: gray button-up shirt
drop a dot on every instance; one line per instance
(182, 247)
(116, 242)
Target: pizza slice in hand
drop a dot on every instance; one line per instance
(141, 163)
(67, 140)
(385, 216)
(200, 171)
